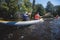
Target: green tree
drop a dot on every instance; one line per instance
(3, 9)
(9, 8)
(13, 8)
(49, 7)
(26, 6)
(40, 9)
(58, 10)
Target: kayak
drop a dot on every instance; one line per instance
(21, 23)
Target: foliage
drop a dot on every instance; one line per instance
(4, 6)
(56, 10)
(26, 6)
(13, 8)
(49, 7)
(4, 9)
(9, 8)
(40, 9)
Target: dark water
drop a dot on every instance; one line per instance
(48, 30)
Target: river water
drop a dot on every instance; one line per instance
(47, 30)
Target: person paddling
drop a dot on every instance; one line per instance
(26, 17)
(57, 16)
(36, 16)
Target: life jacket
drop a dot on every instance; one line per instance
(57, 17)
(37, 16)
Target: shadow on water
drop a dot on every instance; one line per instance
(39, 31)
